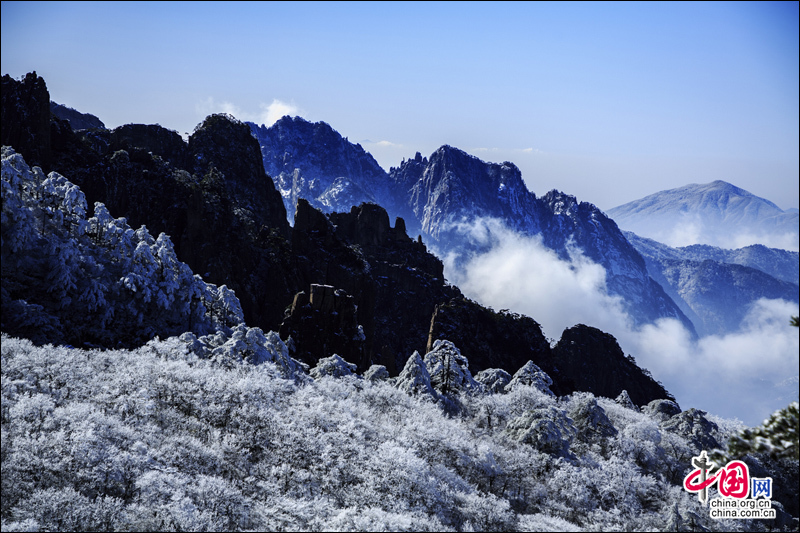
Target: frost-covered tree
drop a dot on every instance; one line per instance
(531, 375)
(494, 380)
(776, 437)
(164, 437)
(376, 373)
(449, 370)
(72, 279)
(333, 366)
(414, 378)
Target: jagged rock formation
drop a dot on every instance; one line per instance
(323, 322)
(455, 188)
(487, 338)
(26, 118)
(712, 286)
(314, 162)
(401, 285)
(587, 359)
(76, 119)
(716, 213)
(437, 196)
(452, 185)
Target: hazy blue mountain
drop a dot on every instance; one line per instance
(716, 287)
(780, 264)
(715, 213)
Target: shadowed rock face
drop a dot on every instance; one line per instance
(152, 138)
(76, 119)
(587, 359)
(26, 118)
(323, 322)
(225, 146)
(487, 338)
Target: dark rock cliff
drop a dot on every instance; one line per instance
(587, 359)
(487, 338)
(76, 119)
(26, 118)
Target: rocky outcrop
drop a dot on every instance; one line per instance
(487, 338)
(76, 119)
(401, 282)
(162, 142)
(223, 148)
(26, 118)
(323, 322)
(587, 359)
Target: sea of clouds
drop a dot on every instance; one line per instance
(746, 375)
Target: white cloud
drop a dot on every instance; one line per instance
(278, 109)
(268, 115)
(388, 144)
(746, 375)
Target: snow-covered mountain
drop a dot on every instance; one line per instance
(312, 161)
(716, 288)
(442, 196)
(716, 213)
(780, 264)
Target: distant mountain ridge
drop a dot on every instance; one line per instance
(440, 195)
(716, 213)
(715, 287)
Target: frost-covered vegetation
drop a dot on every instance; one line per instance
(73, 278)
(219, 428)
(165, 438)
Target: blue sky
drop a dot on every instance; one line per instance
(608, 102)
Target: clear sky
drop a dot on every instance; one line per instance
(608, 102)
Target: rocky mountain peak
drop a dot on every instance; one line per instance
(26, 118)
(313, 161)
(76, 119)
(223, 148)
(716, 213)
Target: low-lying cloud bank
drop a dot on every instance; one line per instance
(745, 375)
